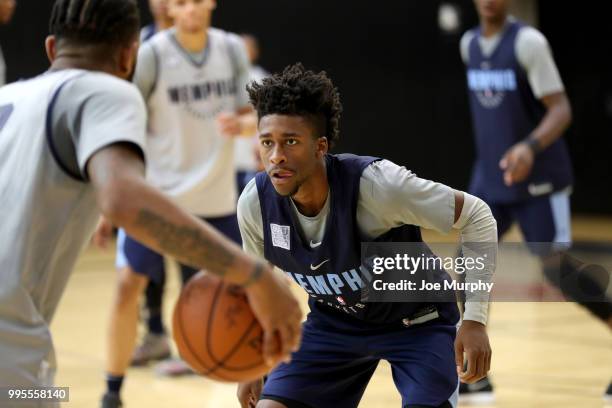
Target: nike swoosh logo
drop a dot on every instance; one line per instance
(314, 244)
(314, 268)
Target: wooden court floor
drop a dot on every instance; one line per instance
(544, 354)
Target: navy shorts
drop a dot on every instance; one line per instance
(542, 220)
(332, 368)
(147, 262)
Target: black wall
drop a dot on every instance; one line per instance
(580, 38)
(401, 79)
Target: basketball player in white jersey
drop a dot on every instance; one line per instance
(155, 345)
(71, 144)
(193, 78)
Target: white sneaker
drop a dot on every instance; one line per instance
(479, 393)
(173, 367)
(153, 347)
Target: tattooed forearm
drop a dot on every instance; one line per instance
(186, 244)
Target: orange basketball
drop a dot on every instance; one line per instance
(216, 332)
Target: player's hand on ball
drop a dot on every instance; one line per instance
(279, 314)
(517, 163)
(249, 392)
(472, 339)
(103, 233)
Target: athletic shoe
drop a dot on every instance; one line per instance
(479, 393)
(173, 367)
(608, 395)
(153, 347)
(110, 400)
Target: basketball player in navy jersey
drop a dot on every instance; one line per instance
(71, 146)
(523, 170)
(307, 214)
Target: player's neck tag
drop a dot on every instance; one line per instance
(281, 236)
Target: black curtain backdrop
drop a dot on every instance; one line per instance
(401, 79)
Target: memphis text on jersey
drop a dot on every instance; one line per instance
(202, 91)
(339, 290)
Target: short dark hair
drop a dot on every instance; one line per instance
(297, 91)
(104, 22)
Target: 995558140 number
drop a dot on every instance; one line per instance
(51, 394)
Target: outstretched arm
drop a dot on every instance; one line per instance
(128, 201)
(148, 216)
(391, 196)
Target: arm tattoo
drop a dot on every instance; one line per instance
(187, 244)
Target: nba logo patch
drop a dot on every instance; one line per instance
(341, 300)
(280, 236)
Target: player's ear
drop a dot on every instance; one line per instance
(50, 47)
(127, 60)
(322, 146)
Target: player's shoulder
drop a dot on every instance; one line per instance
(469, 35)
(43, 83)
(147, 32)
(159, 41)
(531, 46)
(102, 92)
(93, 83)
(250, 190)
(382, 167)
(248, 202)
(8, 90)
(384, 184)
(529, 36)
(216, 32)
(384, 175)
(147, 53)
(233, 40)
(466, 40)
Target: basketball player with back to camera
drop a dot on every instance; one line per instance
(74, 136)
(523, 170)
(324, 205)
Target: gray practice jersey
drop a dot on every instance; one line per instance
(50, 126)
(188, 157)
(389, 196)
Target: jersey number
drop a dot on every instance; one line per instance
(5, 113)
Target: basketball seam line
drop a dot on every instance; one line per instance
(221, 362)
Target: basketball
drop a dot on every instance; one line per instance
(216, 332)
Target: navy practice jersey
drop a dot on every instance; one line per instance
(504, 112)
(331, 271)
